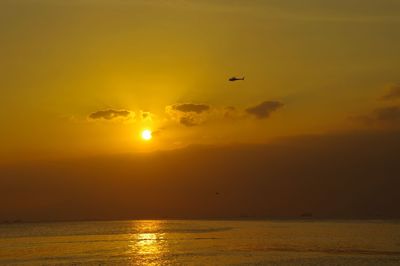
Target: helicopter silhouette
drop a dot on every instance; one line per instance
(235, 79)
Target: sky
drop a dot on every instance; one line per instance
(80, 81)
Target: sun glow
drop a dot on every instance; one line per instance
(146, 134)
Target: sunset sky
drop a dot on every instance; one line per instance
(84, 78)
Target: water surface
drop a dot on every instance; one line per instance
(198, 242)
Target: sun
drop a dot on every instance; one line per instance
(146, 134)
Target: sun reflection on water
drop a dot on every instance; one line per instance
(148, 244)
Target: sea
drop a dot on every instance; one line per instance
(202, 242)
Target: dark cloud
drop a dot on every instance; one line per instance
(264, 109)
(191, 107)
(383, 116)
(393, 93)
(191, 114)
(146, 116)
(109, 114)
(388, 114)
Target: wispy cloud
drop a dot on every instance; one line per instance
(388, 116)
(393, 93)
(188, 114)
(264, 109)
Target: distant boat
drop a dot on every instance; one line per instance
(306, 215)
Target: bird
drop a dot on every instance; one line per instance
(235, 79)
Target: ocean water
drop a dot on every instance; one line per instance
(198, 242)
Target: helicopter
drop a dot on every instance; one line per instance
(235, 79)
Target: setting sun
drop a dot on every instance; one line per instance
(146, 134)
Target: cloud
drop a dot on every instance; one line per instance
(191, 114)
(230, 112)
(191, 107)
(146, 116)
(188, 114)
(382, 116)
(110, 114)
(264, 109)
(188, 121)
(393, 93)
(387, 114)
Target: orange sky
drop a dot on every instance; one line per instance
(313, 127)
(62, 61)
